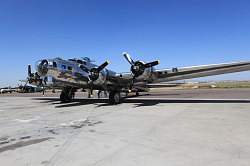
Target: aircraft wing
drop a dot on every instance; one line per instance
(174, 74)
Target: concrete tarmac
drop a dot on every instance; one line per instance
(168, 127)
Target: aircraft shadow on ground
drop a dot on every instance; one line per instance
(138, 102)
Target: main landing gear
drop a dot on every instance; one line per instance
(67, 94)
(114, 97)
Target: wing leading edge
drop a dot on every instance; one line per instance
(199, 71)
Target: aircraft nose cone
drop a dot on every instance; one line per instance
(43, 67)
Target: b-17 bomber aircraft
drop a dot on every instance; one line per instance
(73, 74)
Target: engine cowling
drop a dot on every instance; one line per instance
(94, 74)
(138, 67)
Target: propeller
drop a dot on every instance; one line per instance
(138, 67)
(95, 72)
(35, 77)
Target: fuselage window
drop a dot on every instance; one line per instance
(70, 68)
(54, 65)
(64, 67)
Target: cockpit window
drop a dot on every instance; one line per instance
(54, 64)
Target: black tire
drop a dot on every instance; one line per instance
(66, 95)
(63, 97)
(114, 97)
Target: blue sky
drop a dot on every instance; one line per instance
(178, 32)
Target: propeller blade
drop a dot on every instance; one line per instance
(43, 91)
(102, 66)
(152, 64)
(23, 87)
(29, 71)
(128, 58)
(26, 83)
(43, 85)
(45, 82)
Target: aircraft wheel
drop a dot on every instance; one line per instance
(63, 97)
(66, 95)
(114, 97)
(137, 94)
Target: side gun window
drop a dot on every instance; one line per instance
(64, 67)
(70, 68)
(54, 65)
